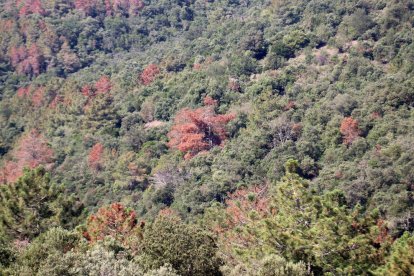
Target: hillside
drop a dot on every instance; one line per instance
(206, 137)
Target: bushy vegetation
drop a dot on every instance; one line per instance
(218, 137)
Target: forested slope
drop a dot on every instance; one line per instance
(206, 137)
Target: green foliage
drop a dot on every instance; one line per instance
(271, 265)
(187, 248)
(41, 255)
(7, 255)
(32, 205)
(321, 230)
(290, 71)
(401, 259)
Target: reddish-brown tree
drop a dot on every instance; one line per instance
(209, 101)
(38, 96)
(149, 73)
(290, 105)
(32, 151)
(16, 55)
(56, 101)
(6, 26)
(246, 208)
(28, 61)
(136, 6)
(35, 59)
(197, 66)
(67, 57)
(349, 130)
(103, 85)
(23, 91)
(9, 173)
(115, 221)
(27, 7)
(242, 202)
(197, 130)
(382, 235)
(95, 157)
(87, 91)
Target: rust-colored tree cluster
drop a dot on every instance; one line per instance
(23, 91)
(27, 7)
(149, 74)
(27, 60)
(198, 130)
(115, 221)
(95, 157)
(35, 95)
(10, 172)
(102, 86)
(33, 150)
(350, 130)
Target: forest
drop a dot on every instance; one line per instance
(206, 137)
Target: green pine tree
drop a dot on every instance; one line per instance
(187, 248)
(32, 205)
(401, 260)
(321, 230)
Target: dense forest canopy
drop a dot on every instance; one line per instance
(206, 137)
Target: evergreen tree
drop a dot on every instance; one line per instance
(43, 252)
(321, 230)
(401, 260)
(187, 248)
(32, 205)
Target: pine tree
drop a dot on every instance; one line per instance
(401, 260)
(149, 74)
(32, 205)
(349, 130)
(197, 130)
(114, 220)
(322, 230)
(103, 85)
(95, 157)
(187, 248)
